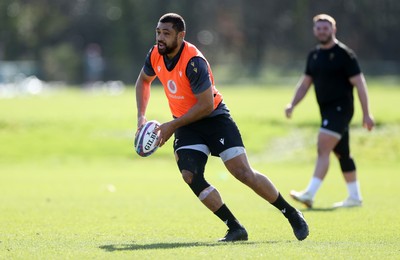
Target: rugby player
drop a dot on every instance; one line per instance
(202, 125)
(334, 71)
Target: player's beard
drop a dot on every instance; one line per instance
(326, 40)
(168, 49)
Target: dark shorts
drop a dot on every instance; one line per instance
(217, 135)
(336, 119)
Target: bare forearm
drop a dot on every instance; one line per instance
(203, 107)
(362, 92)
(301, 90)
(361, 85)
(142, 97)
(142, 87)
(197, 112)
(362, 95)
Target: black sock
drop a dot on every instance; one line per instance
(227, 217)
(283, 206)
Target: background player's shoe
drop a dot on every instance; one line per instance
(299, 225)
(302, 197)
(233, 235)
(348, 203)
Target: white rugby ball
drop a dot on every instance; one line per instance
(146, 139)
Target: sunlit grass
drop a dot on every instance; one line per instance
(72, 187)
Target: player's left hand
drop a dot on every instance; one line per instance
(368, 122)
(166, 131)
(141, 121)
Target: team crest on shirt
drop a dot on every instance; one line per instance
(172, 86)
(331, 56)
(158, 68)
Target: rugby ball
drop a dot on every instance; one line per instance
(146, 139)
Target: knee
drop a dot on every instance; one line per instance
(187, 176)
(346, 161)
(347, 164)
(197, 184)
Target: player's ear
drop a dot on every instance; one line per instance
(181, 35)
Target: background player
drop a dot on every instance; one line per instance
(202, 125)
(333, 69)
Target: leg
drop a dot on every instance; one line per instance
(240, 168)
(326, 143)
(350, 176)
(192, 164)
(342, 152)
(209, 196)
(327, 140)
(347, 165)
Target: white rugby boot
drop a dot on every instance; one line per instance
(348, 203)
(302, 197)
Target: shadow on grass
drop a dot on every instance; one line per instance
(320, 209)
(154, 246)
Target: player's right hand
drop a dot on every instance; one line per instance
(289, 110)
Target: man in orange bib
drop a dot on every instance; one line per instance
(202, 125)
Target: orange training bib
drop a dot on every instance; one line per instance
(176, 84)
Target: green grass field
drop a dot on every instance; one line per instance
(72, 186)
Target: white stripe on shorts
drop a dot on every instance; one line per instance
(330, 132)
(198, 147)
(231, 153)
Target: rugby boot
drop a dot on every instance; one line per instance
(348, 203)
(232, 235)
(302, 197)
(299, 225)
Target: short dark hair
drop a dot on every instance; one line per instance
(177, 21)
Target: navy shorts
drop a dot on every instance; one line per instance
(218, 135)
